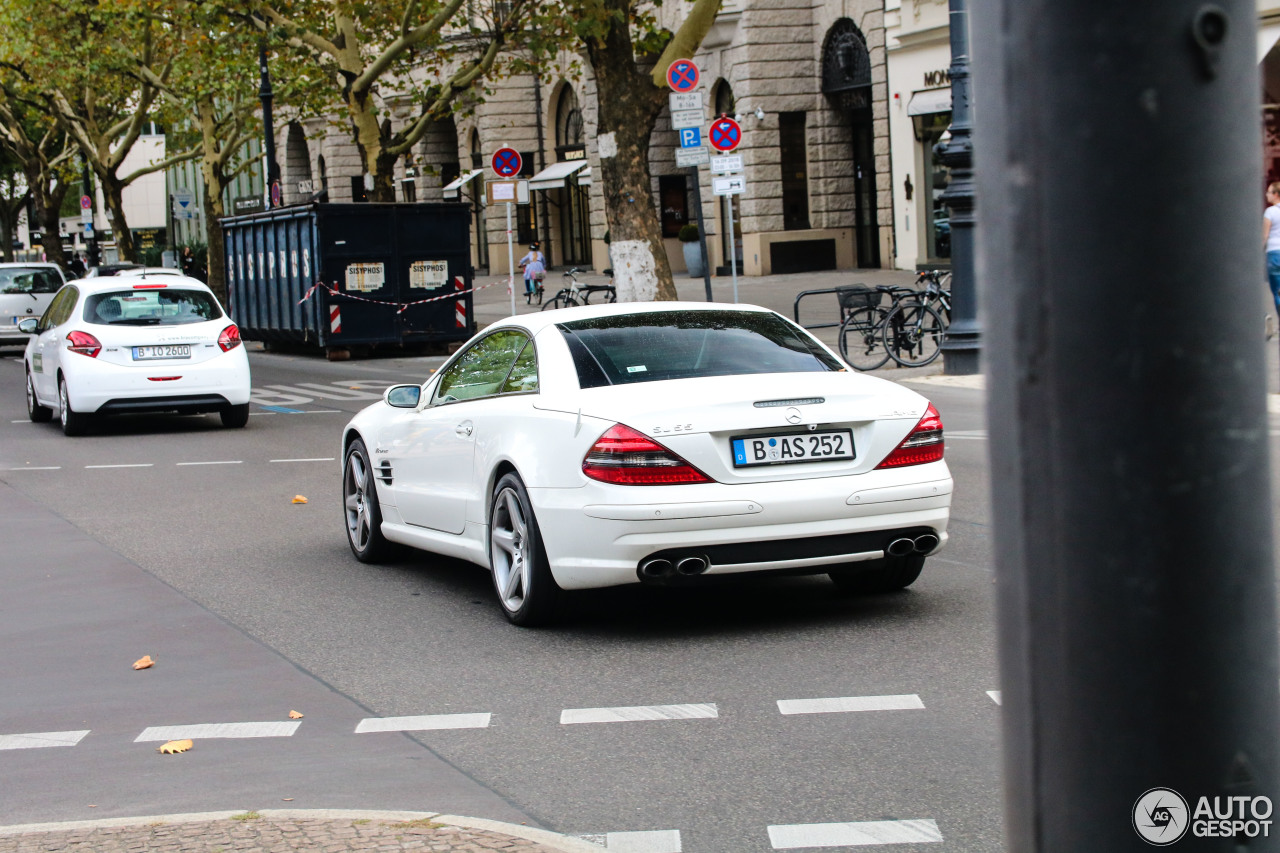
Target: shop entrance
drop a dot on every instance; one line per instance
(846, 81)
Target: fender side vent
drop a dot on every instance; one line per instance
(384, 472)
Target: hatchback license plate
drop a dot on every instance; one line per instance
(792, 447)
(148, 353)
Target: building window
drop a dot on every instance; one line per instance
(358, 192)
(408, 190)
(570, 142)
(674, 196)
(795, 172)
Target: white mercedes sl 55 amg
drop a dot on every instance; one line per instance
(649, 443)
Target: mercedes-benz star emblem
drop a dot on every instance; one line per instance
(793, 415)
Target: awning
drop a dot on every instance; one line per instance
(451, 189)
(584, 177)
(554, 176)
(929, 101)
(1268, 34)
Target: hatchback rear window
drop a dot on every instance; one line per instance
(688, 344)
(169, 306)
(31, 280)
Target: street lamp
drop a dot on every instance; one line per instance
(269, 142)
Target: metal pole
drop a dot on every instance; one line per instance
(733, 250)
(702, 233)
(1118, 163)
(269, 146)
(511, 263)
(961, 345)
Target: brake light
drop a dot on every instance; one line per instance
(83, 343)
(230, 338)
(149, 286)
(923, 444)
(626, 457)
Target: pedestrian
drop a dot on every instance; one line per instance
(535, 270)
(1271, 240)
(76, 266)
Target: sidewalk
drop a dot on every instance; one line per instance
(284, 831)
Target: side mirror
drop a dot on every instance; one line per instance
(29, 325)
(403, 396)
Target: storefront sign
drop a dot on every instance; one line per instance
(428, 275)
(365, 277)
(941, 77)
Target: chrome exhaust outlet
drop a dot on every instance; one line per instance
(926, 543)
(900, 547)
(692, 565)
(656, 568)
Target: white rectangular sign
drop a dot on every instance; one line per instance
(428, 275)
(365, 277)
(680, 119)
(681, 101)
(728, 186)
(730, 163)
(686, 157)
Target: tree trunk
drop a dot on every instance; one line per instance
(8, 224)
(113, 192)
(215, 183)
(47, 193)
(629, 105)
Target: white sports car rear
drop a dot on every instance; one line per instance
(649, 443)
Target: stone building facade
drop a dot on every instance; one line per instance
(808, 82)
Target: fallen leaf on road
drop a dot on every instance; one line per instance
(144, 662)
(173, 747)
(294, 715)
(299, 499)
(286, 799)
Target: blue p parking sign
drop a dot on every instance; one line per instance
(691, 137)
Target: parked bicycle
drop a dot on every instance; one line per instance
(576, 293)
(908, 331)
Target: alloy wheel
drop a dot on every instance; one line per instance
(355, 496)
(512, 554)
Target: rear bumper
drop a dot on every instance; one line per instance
(792, 526)
(102, 387)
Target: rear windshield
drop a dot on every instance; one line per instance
(29, 280)
(689, 344)
(170, 306)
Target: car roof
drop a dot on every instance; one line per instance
(30, 265)
(535, 323)
(145, 271)
(104, 283)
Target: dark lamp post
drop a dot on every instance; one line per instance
(268, 131)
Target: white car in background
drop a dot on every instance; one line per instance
(649, 443)
(136, 343)
(25, 291)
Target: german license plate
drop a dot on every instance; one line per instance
(175, 351)
(792, 447)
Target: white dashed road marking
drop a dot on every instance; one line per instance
(423, 723)
(844, 704)
(134, 465)
(224, 462)
(862, 834)
(639, 712)
(37, 468)
(316, 459)
(995, 696)
(40, 740)
(651, 841)
(218, 730)
(973, 434)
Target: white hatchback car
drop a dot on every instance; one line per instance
(25, 291)
(135, 344)
(649, 443)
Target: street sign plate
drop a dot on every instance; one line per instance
(691, 137)
(725, 134)
(678, 101)
(732, 185)
(686, 118)
(86, 215)
(682, 75)
(506, 162)
(730, 163)
(686, 157)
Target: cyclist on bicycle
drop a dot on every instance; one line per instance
(535, 270)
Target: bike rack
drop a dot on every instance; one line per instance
(795, 310)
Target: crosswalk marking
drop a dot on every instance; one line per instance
(40, 740)
(423, 723)
(647, 841)
(637, 713)
(204, 731)
(845, 704)
(860, 834)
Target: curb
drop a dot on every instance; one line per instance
(547, 838)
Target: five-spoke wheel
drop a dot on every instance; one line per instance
(361, 512)
(526, 590)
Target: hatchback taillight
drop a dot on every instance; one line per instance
(923, 444)
(230, 338)
(627, 457)
(83, 343)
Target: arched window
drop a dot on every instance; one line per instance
(724, 100)
(846, 67)
(569, 136)
(477, 157)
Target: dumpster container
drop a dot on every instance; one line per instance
(338, 275)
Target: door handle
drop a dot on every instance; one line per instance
(464, 429)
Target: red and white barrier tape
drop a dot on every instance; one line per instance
(401, 305)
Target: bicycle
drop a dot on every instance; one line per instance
(861, 337)
(917, 322)
(569, 296)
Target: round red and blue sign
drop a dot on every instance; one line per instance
(682, 75)
(506, 162)
(725, 134)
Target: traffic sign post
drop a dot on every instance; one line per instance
(691, 137)
(725, 134)
(680, 119)
(682, 75)
(506, 162)
(686, 157)
(724, 165)
(680, 101)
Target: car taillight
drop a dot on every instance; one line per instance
(83, 343)
(230, 338)
(630, 458)
(923, 444)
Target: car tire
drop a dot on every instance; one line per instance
(889, 575)
(235, 417)
(361, 513)
(527, 592)
(39, 414)
(73, 422)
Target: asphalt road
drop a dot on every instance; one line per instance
(252, 605)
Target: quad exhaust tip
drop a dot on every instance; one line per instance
(922, 544)
(656, 569)
(661, 568)
(692, 565)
